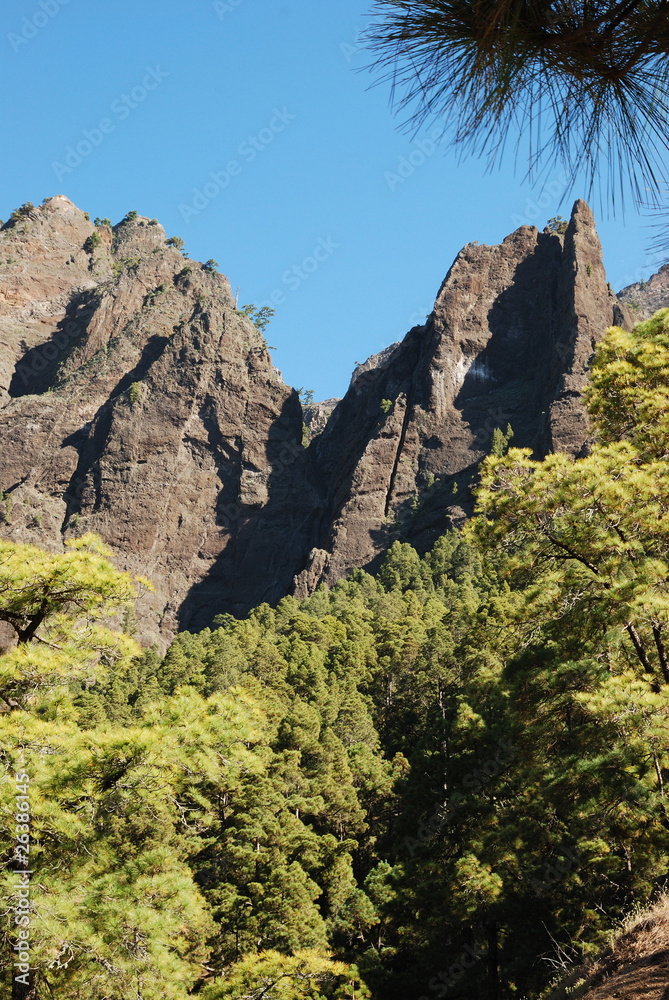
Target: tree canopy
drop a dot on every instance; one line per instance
(579, 81)
(61, 609)
(447, 779)
(273, 976)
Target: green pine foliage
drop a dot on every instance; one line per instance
(93, 242)
(442, 780)
(274, 976)
(558, 225)
(499, 444)
(261, 316)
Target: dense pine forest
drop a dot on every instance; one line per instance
(443, 781)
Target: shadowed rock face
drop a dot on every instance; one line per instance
(508, 342)
(135, 401)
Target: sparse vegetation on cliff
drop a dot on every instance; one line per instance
(93, 242)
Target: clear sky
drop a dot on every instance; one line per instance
(243, 126)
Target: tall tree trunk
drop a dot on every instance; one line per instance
(661, 652)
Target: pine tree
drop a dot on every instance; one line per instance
(61, 609)
(575, 79)
(273, 976)
(116, 815)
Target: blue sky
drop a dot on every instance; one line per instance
(243, 126)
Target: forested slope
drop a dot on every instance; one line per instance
(447, 780)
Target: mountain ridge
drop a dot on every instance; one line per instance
(137, 401)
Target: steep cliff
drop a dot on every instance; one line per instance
(644, 298)
(316, 416)
(508, 342)
(136, 401)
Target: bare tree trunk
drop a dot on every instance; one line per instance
(641, 652)
(661, 652)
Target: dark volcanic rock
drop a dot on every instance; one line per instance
(316, 416)
(508, 342)
(165, 428)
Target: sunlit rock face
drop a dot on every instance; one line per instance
(139, 404)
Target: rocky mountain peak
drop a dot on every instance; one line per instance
(138, 402)
(644, 298)
(508, 343)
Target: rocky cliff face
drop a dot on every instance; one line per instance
(644, 298)
(136, 401)
(508, 342)
(316, 416)
(139, 404)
